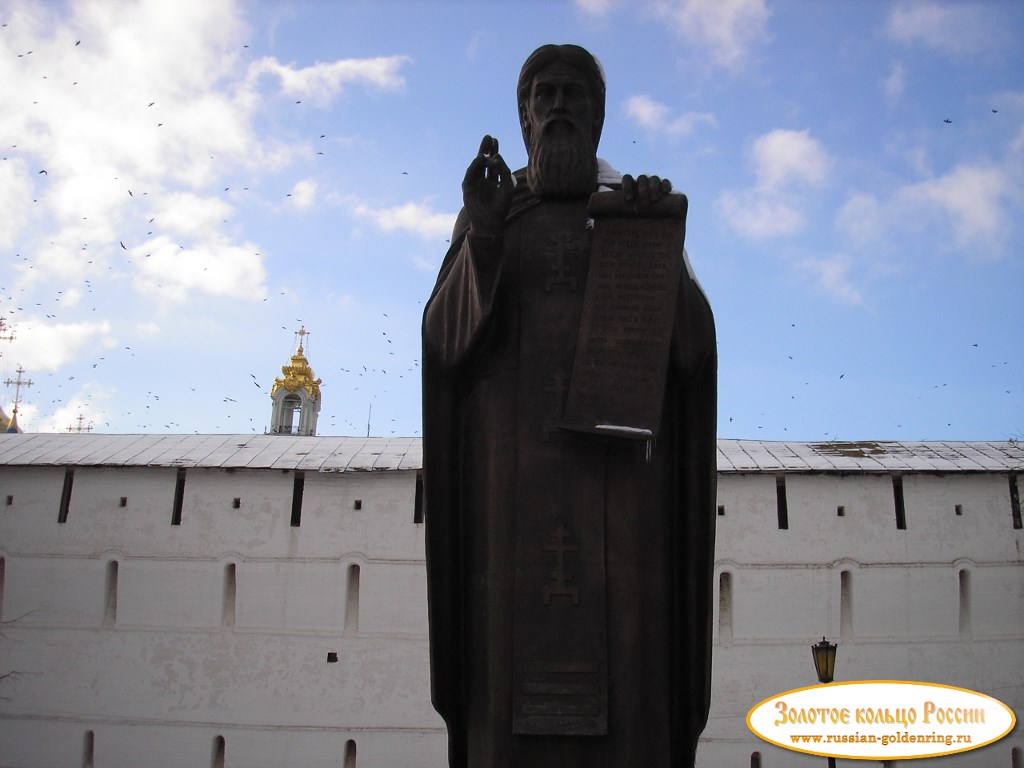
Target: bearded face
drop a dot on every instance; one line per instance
(563, 162)
(561, 146)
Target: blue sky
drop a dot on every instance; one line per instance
(218, 175)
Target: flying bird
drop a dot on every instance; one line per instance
(947, 120)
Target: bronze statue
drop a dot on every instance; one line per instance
(569, 573)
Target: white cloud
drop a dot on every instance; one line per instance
(952, 28)
(303, 194)
(417, 218)
(216, 126)
(144, 115)
(861, 218)
(135, 111)
(188, 215)
(757, 215)
(645, 111)
(42, 346)
(87, 203)
(98, 112)
(722, 32)
(972, 208)
(474, 46)
(65, 259)
(784, 157)
(726, 30)
(213, 266)
(833, 277)
(79, 410)
(324, 80)
(970, 200)
(918, 159)
(895, 82)
(130, 124)
(72, 297)
(15, 199)
(595, 7)
(656, 117)
(786, 165)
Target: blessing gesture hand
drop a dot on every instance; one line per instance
(487, 190)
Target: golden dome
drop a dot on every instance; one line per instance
(298, 375)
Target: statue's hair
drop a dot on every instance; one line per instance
(576, 57)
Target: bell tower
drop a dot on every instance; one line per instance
(296, 397)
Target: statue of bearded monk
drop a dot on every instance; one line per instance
(569, 575)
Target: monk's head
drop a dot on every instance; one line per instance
(561, 112)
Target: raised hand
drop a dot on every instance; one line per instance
(487, 190)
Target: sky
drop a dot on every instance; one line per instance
(185, 185)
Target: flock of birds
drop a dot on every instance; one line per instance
(240, 411)
(29, 305)
(367, 384)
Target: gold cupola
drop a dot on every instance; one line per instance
(296, 396)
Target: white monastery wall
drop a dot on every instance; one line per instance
(941, 600)
(221, 625)
(232, 637)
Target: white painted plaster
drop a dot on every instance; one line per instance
(169, 676)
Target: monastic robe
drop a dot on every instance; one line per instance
(569, 576)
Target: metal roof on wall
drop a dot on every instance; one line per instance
(367, 454)
(312, 454)
(869, 456)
